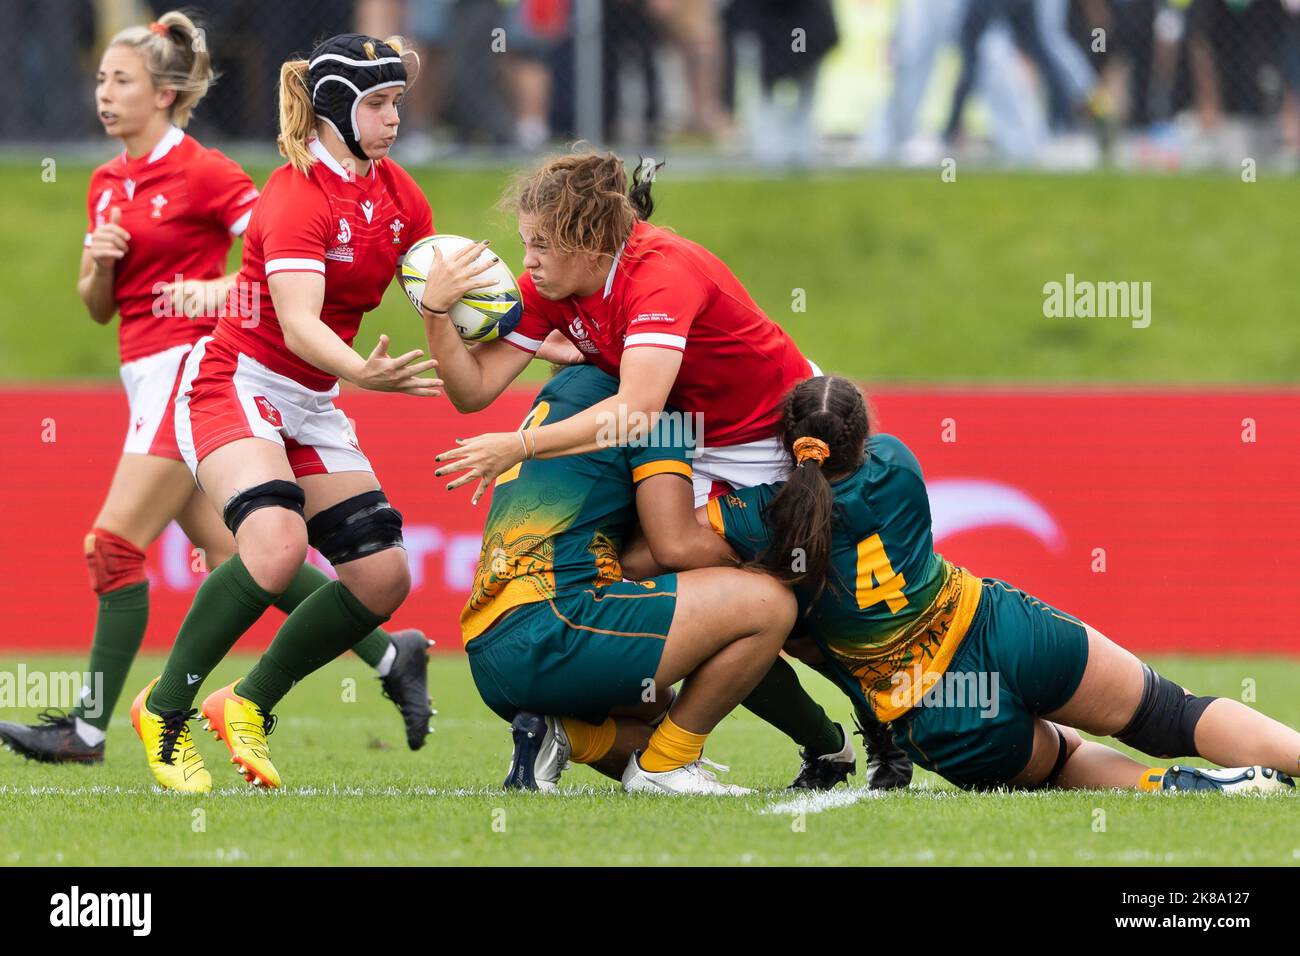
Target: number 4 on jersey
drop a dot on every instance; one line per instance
(877, 580)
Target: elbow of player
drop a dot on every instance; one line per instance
(292, 340)
(466, 404)
(671, 555)
(100, 314)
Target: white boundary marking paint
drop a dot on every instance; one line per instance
(247, 791)
(818, 801)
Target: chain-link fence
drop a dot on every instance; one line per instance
(1159, 83)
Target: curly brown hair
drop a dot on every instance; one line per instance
(581, 201)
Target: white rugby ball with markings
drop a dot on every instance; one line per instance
(479, 316)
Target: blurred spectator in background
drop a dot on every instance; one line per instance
(629, 51)
(534, 31)
(1031, 21)
(1176, 82)
(248, 40)
(427, 26)
(54, 59)
(793, 37)
(1081, 94)
(1124, 59)
(695, 28)
(1289, 61)
(922, 29)
(1234, 48)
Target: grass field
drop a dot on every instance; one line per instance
(905, 278)
(355, 795)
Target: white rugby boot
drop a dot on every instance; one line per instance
(693, 778)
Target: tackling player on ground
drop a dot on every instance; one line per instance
(581, 662)
(163, 215)
(896, 619)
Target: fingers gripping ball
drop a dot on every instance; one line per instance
(480, 315)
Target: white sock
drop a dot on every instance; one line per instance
(386, 662)
(90, 736)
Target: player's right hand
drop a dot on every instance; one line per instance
(385, 373)
(452, 277)
(109, 242)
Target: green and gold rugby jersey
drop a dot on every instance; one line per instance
(559, 523)
(893, 611)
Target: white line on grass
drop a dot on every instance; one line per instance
(290, 792)
(823, 800)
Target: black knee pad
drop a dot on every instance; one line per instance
(363, 524)
(1165, 722)
(269, 494)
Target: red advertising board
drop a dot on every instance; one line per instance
(1166, 519)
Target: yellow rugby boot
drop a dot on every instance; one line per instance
(241, 725)
(174, 760)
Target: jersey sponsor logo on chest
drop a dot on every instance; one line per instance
(578, 333)
(342, 250)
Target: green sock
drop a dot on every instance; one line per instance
(320, 629)
(119, 629)
(309, 579)
(780, 700)
(865, 717)
(226, 606)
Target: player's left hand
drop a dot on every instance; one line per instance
(558, 350)
(483, 457)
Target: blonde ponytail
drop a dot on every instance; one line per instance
(297, 117)
(176, 55)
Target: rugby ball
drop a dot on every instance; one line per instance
(480, 315)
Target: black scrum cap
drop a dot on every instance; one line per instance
(340, 73)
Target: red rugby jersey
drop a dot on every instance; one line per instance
(668, 292)
(183, 204)
(352, 230)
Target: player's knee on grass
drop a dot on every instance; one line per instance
(1053, 746)
(113, 561)
(1069, 741)
(1164, 724)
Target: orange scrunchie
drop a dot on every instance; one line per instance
(810, 449)
(159, 28)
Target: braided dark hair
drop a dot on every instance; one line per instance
(832, 410)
